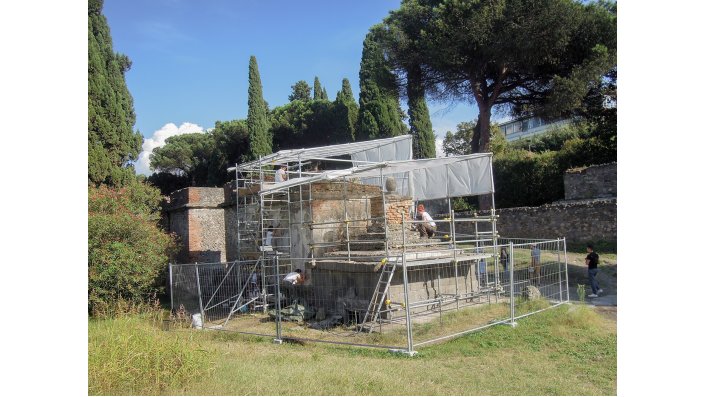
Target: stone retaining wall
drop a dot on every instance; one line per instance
(579, 222)
(597, 181)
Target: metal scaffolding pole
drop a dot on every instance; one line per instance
(409, 332)
(345, 215)
(171, 287)
(200, 301)
(384, 214)
(560, 277)
(455, 256)
(511, 285)
(278, 301)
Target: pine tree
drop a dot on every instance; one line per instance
(300, 91)
(424, 141)
(112, 143)
(257, 125)
(379, 96)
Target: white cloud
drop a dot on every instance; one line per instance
(158, 140)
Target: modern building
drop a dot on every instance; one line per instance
(527, 127)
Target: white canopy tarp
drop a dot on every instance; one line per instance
(427, 179)
(377, 150)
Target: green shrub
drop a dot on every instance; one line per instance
(127, 252)
(531, 178)
(524, 178)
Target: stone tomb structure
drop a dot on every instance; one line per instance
(341, 275)
(341, 260)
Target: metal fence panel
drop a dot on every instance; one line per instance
(423, 302)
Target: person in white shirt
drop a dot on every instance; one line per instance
(268, 236)
(280, 175)
(294, 278)
(428, 227)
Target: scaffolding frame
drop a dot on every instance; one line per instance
(469, 245)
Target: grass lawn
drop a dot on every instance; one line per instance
(567, 350)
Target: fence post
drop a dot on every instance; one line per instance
(455, 257)
(511, 285)
(171, 288)
(567, 286)
(277, 298)
(200, 300)
(409, 333)
(560, 276)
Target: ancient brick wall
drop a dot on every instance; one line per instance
(597, 181)
(196, 216)
(395, 206)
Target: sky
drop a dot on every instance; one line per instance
(190, 58)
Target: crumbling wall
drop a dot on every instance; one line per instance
(195, 215)
(597, 181)
(341, 286)
(330, 201)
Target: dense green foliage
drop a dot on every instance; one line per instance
(308, 123)
(187, 154)
(380, 113)
(127, 252)
(232, 143)
(199, 159)
(112, 143)
(535, 57)
(529, 172)
(257, 123)
(300, 91)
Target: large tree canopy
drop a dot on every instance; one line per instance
(528, 56)
(188, 155)
(200, 159)
(112, 143)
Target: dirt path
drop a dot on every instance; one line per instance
(607, 278)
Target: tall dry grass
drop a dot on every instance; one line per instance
(128, 353)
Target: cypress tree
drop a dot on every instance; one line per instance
(111, 116)
(379, 96)
(419, 118)
(346, 113)
(317, 89)
(257, 125)
(345, 94)
(325, 94)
